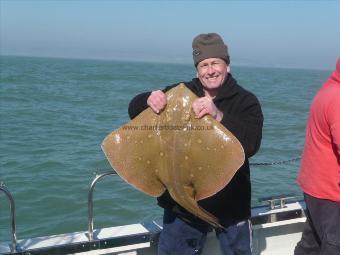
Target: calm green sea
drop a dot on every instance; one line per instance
(54, 114)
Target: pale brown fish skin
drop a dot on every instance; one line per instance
(192, 158)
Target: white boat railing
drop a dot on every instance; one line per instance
(12, 212)
(276, 226)
(90, 202)
(278, 201)
(99, 241)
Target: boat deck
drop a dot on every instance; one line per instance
(275, 231)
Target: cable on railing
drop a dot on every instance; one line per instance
(288, 161)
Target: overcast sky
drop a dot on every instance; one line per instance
(303, 34)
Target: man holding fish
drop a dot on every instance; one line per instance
(238, 110)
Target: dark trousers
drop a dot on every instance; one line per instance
(180, 238)
(321, 235)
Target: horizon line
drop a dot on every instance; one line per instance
(151, 61)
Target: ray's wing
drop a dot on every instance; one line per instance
(132, 150)
(218, 155)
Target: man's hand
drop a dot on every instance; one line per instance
(203, 106)
(157, 101)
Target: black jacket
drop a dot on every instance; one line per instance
(242, 115)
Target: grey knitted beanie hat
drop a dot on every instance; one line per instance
(209, 45)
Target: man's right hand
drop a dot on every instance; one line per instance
(157, 101)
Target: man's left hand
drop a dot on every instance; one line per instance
(203, 106)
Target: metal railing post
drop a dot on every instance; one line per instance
(13, 221)
(90, 202)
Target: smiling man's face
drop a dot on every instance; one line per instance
(212, 72)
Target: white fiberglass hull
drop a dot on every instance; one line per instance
(275, 232)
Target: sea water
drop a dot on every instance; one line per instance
(54, 114)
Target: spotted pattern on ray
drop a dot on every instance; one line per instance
(192, 164)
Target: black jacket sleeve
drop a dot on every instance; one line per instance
(246, 124)
(138, 104)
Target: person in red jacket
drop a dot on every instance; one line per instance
(319, 176)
